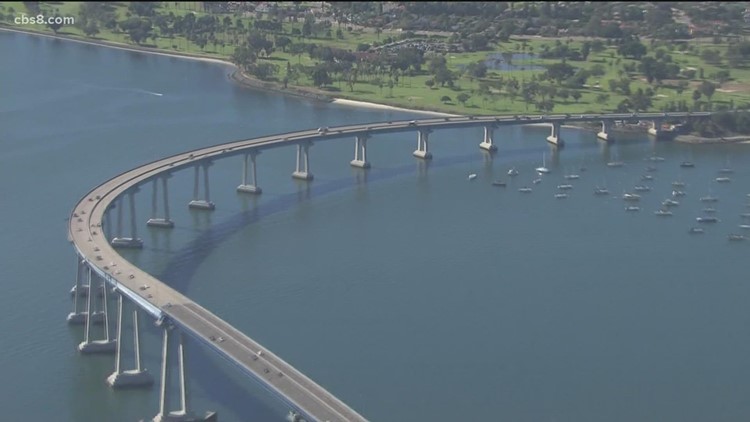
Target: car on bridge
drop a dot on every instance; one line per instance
(323, 129)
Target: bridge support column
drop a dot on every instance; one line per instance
(155, 221)
(132, 242)
(78, 317)
(133, 377)
(488, 139)
(422, 150)
(360, 152)
(107, 345)
(654, 128)
(302, 171)
(605, 134)
(183, 414)
(197, 203)
(249, 187)
(554, 137)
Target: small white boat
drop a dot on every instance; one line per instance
(561, 195)
(663, 213)
(678, 193)
(647, 177)
(678, 184)
(707, 219)
(498, 183)
(709, 198)
(709, 210)
(695, 230)
(615, 164)
(723, 179)
(745, 226)
(524, 189)
(565, 187)
(543, 169)
(655, 158)
(726, 171)
(733, 236)
(572, 176)
(601, 191)
(631, 197)
(513, 172)
(670, 203)
(687, 164)
(641, 188)
(630, 209)
(650, 168)
(536, 181)
(472, 176)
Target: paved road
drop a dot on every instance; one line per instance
(304, 395)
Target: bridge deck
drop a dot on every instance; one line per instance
(312, 400)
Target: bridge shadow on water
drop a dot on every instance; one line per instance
(182, 265)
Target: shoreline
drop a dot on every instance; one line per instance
(237, 75)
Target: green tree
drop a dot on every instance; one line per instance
(707, 88)
(445, 99)
(576, 95)
(463, 97)
(55, 23)
(320, 76)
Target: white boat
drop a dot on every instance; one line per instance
(543, 169)
(687, 164)
(536, 181)
(678, 193)
(709, 198)
(472, 176)
(670, 203)
(615, 164)
(723, 179)
(572, 176)
(650, 168)
(524, 189)
(733, 236)
(632, 209)
(663, 213)
(655, 158)
(647, 177)
(678, 184)
(745, 226)
(695, 230)
(601, 191)
(707, 219)
(513, 172)
(631, 197)
(641, 188)
(709, 210)
(565, 187)
(726, 171)
(561, 195)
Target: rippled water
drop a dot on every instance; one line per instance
(409, 291)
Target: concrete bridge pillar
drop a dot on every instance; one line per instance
(554, 137)
(197, 202)
(302, 171)
(655, 128)
(422, 150)
(183, 414)
(106, 345)
(360, 152)
(605, 134)
(132, 242)
(252, 187)
(137, 377)
(487, 141)
(81, 290)
(155, 221)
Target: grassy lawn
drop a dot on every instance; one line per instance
(411, 91)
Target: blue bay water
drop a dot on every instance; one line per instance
(409, 291)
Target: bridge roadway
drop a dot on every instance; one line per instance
(311, 400)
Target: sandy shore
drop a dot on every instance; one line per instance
(376, 106)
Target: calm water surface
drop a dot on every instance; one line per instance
(409, 291)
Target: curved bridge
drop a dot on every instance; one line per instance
(96, 253)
